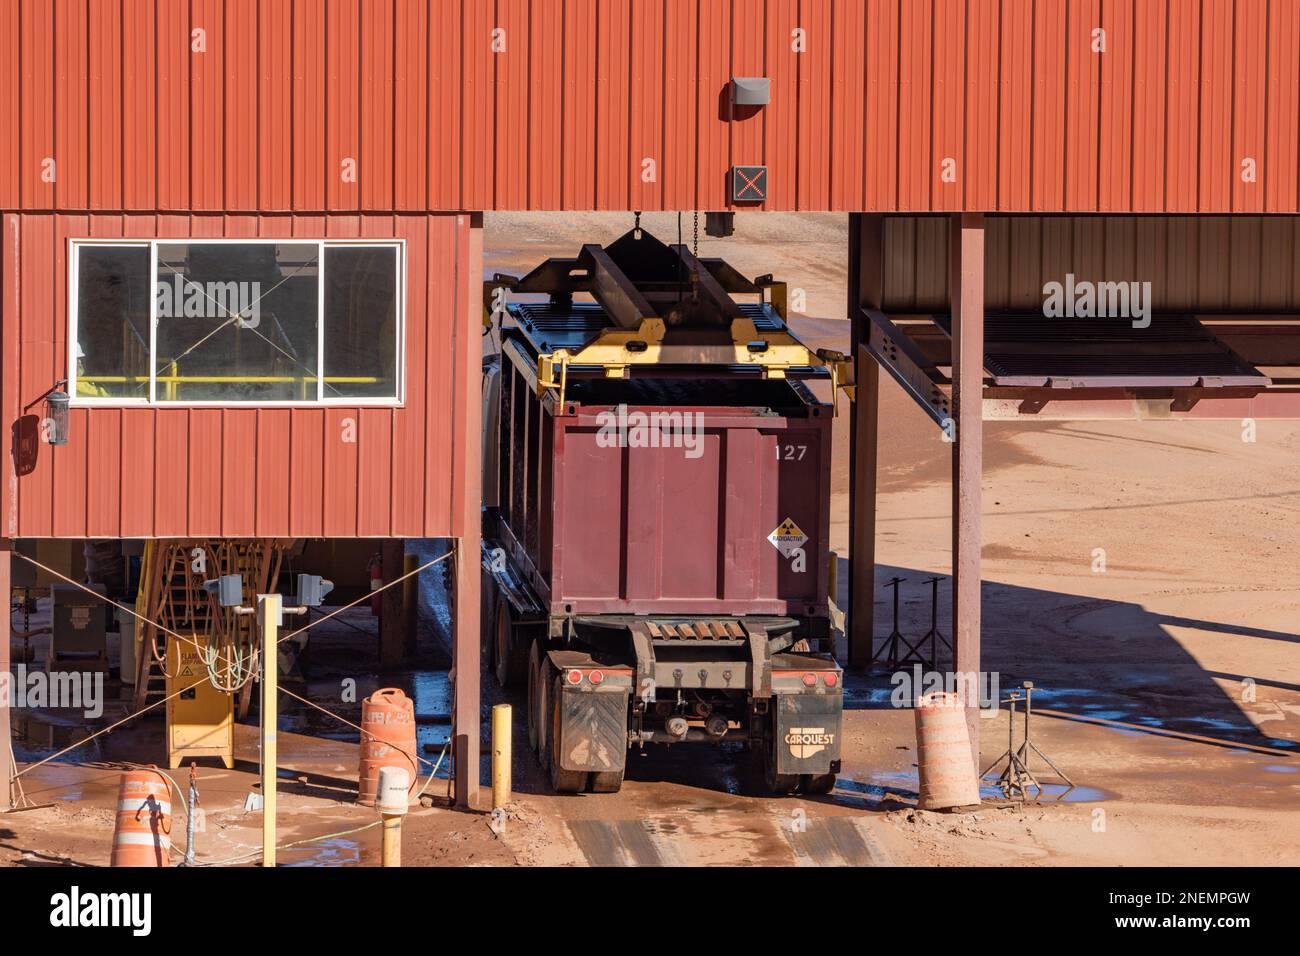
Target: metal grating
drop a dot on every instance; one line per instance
(1174, 351)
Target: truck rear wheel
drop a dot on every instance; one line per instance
(607, 781)
(534, 697)
(781, 783)
(511, 664)
(817, 783)
(562, 781)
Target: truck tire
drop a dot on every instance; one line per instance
(607, 781)
(562, 781)
(511, 662)
(534, 714)
(778, 783)
(817, 783)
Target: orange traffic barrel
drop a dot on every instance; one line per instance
(943, 753)
(142, 834)
(388, 722)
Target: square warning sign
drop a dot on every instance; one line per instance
(787, 537)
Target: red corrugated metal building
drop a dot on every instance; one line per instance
(403, 120)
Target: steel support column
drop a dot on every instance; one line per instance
(469, 357)
(866, 278)
(6, 764)
(966, 292)
(392, 626)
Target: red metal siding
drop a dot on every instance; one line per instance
(239, 471)
(548, 104)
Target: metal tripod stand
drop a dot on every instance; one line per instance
(910, 654)
(1016, 777)
(934, 635)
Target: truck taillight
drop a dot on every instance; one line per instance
(596, 676)
(575, 677)
(831, 680)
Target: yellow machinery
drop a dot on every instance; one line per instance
(201, 720)
(210, 671)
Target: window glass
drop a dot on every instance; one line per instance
(361, 321)
(237, 322)
(112, 348)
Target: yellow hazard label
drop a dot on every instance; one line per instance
(787, 537)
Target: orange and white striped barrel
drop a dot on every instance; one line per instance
(388, 719)
(943, 754)
(142, 834)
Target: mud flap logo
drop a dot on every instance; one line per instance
(805, 742)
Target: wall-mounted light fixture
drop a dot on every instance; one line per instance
(57, 401)
(751, 90)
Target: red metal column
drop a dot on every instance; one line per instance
(468, 584)
(6, 765)
(866, 280)
(392, 627)
(966, 293)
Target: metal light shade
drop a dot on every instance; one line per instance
(56, 413)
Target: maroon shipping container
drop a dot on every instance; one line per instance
(676, 530)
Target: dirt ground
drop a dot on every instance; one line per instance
(1141, 574)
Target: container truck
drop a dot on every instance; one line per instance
(655, 540)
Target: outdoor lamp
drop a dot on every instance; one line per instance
(57, 401)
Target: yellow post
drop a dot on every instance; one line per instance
(500, 755)
(391, 801)
(392, 839)
(268, 612)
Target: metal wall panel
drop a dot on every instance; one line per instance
(1198, 264)
(347, 105)
(238, 471)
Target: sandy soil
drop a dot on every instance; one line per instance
(1168, 678)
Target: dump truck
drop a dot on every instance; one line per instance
(657, 505)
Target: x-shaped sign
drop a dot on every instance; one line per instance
(749, 183)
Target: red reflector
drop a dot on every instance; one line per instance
(596, 676)
(810, 680)
(575, 677)
(831, 680)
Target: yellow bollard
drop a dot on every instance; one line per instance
(391, 800)
(500, 755)
(268, 612)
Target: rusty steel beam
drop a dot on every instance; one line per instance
(907, 365)
(465, 611)
(622, 300)
(866, 280)
(966, 288)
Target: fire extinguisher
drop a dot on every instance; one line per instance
(376, 569)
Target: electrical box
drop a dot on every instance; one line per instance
(201, 718)
(79, 641)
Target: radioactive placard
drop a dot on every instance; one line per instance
(787, 537)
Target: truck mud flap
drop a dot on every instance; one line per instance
(593, 730)
(808, 728)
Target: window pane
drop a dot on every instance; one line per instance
(112, 350)
(361, 322)
(237, 322)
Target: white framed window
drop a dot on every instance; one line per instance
(236, 321)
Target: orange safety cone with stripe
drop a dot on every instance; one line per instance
(142, 834)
